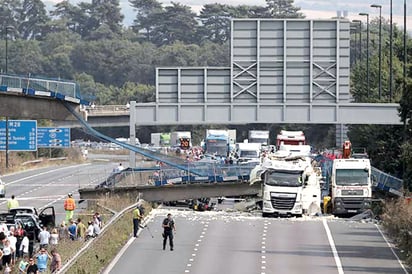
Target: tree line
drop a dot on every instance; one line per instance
(114, 63)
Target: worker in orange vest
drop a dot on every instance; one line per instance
(347, 147)
(69, 206)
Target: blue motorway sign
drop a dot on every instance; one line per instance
(22, 135)
(53, 137)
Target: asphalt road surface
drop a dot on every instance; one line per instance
(223, 242)
(49, 186)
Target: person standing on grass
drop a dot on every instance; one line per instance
(7, 253)
(54, 237)
(23, 264)
(42, 258)
(56, 261)
(81, 229)
(32, 267)
(69, 206)
(24, 246)
(44, 237)
(72, 230)
(13, 241)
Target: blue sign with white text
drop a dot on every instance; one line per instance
(22, 135)
(53, 137)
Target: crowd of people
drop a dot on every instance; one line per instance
(17, 249)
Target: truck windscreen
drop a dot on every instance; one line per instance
(216, 147)
(258, 140)
(283, 179)
(249, 154)
(351, 177)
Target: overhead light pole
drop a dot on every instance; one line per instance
(355, 43)
(367, 50)
(380, 49)
(360, 37)
(404, 46)
(7, 118)
(390, 53)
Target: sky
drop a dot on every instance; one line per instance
(313, 9)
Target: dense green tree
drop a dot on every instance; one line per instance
(25, 58)
(33, 18)
(9, 14)
(147, 11)
(105, 12)
(176, 23)
(215, 23)
(177, 54)
(283, 9)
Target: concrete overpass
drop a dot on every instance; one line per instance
(173, 192)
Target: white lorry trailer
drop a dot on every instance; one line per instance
(259, 136)
(290, 186)
(351, 186)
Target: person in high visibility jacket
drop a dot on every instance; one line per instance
(12, 203)
(69, 206)
(136, 220)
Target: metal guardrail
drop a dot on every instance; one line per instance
(73, 259)
(40, 84)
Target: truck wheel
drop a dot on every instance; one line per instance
(265, 215)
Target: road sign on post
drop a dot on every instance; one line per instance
(49, 137)
(22, 135)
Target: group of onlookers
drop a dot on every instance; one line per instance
(17, 251)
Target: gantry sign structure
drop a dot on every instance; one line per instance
(281, 71)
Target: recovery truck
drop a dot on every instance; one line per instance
(290, 186)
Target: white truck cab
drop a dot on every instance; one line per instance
(351, 185)
(290, 186)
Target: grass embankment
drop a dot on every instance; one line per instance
(105, 247)
(397, 220)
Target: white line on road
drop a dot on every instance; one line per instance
(42, 173)
(333, 247)
(393, 251)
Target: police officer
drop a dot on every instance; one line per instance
(168, 228)
(136, 219)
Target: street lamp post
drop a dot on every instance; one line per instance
(7, 118)
(380, 48)
(360, 37)
(355, 43)
(390, 54)
(404, 47)
(367, 49)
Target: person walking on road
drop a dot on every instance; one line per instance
(136, 220)
(12, 203)
(168, 228)
(69, 206)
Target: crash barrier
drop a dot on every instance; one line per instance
(74, 258)
(387, 183)
(15, 83)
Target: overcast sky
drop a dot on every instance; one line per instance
(313, 9)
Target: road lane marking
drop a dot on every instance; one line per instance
(393, 251)
(43, 173)
(333, 247)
